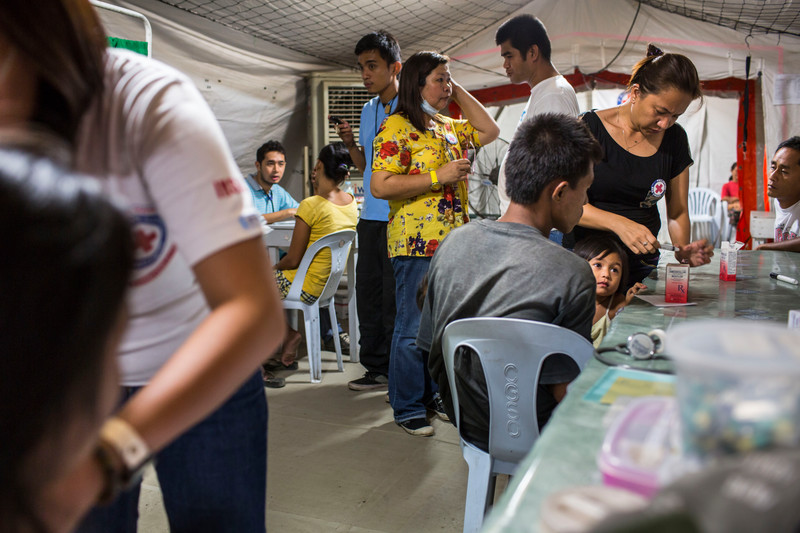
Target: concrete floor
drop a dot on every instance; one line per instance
(338, 462)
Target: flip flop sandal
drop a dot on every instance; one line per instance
(271, 381)
(275, 364)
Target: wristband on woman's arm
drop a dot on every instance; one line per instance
(435, 185)
(123, 454)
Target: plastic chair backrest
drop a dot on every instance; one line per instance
(339, 244)
(705, 206)
(511, 352)
(703, 201)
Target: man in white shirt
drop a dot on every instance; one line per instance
(784, 187)
(525, 49)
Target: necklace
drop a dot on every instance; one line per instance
(628, 146)
(387, 108)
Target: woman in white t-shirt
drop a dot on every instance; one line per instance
(203, 306)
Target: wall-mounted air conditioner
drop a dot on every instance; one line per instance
(334, 93)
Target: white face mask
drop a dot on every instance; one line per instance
(428, 108)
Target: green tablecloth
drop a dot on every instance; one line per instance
(565, 454)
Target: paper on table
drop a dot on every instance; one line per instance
(626, 382)
(658, 300)
(283, 224)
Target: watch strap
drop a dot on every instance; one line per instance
(435, 185)
(122, 454)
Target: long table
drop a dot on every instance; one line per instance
(278, 235)
(565, 454)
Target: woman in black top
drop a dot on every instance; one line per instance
(646, 157)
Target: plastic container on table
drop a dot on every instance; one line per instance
(738, 386)
(642, 447)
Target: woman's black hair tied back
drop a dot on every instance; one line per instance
(336, 160)
(654, 51)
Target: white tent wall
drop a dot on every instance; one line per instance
(257, 90)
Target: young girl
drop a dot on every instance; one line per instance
(328, 211)
(609, 264)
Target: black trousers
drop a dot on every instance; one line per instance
(374, 296)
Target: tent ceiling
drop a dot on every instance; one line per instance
(325, 29)
(749, 16)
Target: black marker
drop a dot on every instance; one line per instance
(781, 277)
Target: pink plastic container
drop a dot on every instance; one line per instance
(640, 446)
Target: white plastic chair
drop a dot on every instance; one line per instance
(706, 214)
(339, 244)
(727, 232)
(511, 352)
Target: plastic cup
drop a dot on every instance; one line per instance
(738, 386)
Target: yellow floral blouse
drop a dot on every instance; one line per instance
(418, 224)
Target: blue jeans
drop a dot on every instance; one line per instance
(325, 328)
(213, 477)
(411, 387)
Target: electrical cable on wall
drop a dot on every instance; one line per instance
(621, 48)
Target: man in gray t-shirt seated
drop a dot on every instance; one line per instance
(509, 268)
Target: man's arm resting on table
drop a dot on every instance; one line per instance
(277, 216)
(790, 245)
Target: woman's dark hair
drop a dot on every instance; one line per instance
(64, 41)
(67, 259)
(415, 71)
(659, 71)
(336, 161)
(601, 245)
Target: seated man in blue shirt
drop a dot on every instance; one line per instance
(272, 200)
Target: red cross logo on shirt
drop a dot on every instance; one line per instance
(144, 240)
(659, 188)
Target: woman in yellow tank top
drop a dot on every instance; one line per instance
(328, 211)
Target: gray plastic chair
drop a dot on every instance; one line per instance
(511, 352)
(339, 244)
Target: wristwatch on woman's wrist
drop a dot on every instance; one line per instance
(435, 185)
(122, 454)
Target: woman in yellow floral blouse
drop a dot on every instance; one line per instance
(420, 169)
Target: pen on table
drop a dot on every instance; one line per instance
(781, 277)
